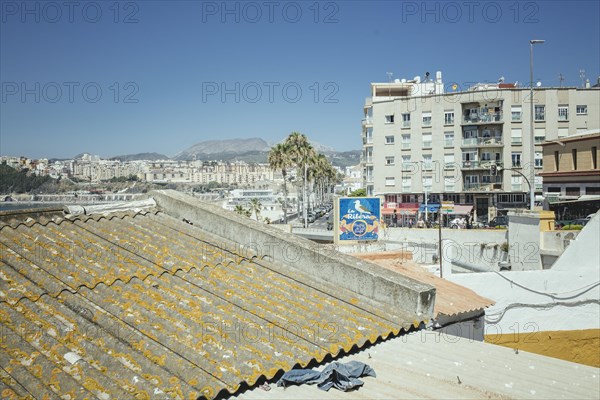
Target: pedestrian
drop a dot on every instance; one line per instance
(394, 219)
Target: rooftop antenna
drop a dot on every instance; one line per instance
(582, 76)
(501, 79)
(561, 79)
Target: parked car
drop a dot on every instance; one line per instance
(500, 220)
(458, 223)
(330, 222)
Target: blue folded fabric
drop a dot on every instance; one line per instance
(340, 376)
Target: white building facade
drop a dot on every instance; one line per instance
(470, 147)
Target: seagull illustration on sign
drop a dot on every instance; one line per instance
(360, 208)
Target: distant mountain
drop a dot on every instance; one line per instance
(228, 148)
(141, 156)
(256, 150)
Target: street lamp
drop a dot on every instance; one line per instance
(532, 141)
(499, 169)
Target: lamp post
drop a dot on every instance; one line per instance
(532, 141)
(531, 187)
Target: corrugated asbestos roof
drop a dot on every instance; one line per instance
(450, 298)
(434, 365)
(143, 305)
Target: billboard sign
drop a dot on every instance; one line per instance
(359, 218)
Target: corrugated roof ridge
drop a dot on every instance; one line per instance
(44, 221)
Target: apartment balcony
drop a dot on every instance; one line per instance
(367, 122)
(369, 179)
(483, 142)
(481, 164)
(470, 164)
(368, 160)
(406, 124)
(482, 187)
(483, 116)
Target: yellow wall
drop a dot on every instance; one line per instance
(582, 346)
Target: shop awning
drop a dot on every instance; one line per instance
(460, 209)
(399, 211)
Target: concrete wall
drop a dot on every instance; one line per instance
(475, 246)
(524, 240)
(374, 282)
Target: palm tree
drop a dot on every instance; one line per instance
(255, 207)
(301, 151)
(280, 159)
(239, 209)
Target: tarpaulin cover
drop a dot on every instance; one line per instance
(337, 375)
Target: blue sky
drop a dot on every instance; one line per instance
(116, 78)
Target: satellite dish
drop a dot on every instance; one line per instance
(538, 84)
(454, 87)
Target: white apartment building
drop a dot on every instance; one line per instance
(420, 137)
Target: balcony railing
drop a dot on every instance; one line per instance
(470, 164)
(483, 117)
(367, 121)
(480, 141)
(449, 143)
(406, 124)
(369, 178)
(406, 145)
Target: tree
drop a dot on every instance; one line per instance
(301, 152)
(280, 158)
(255, 207)
(358, 193)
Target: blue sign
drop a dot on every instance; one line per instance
(359, 218)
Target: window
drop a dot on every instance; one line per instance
(449, 118)
(389, 160)
(572, 191)
(369, 135)
(426, 119)
(516, 159)
(449, 161)
(594, 157)
(406, 141)
(449, 139)
(516, 182)
(539, 159)
(368, 154)
(390, 181)
(539, 135)
(406, 164)
(581, 110)
(516, 136)
(406, 183)
(556, 161)
(574, 155)
(389, 119)
(516, 113)
(427, 183)
(389, 140)
(563, 113)
(471, 181)
(563, 132)
(540, 113)
(427, 164)
(406, 120)
(427, 140)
